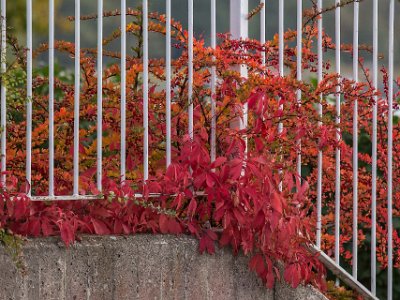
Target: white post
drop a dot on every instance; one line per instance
(390, 154)
(77, 94)
(213, 152)
(190, 69)
(239, 25)
(145, 24)
(51, 97)
(123, 90)
(29, 67)
(337, 152)
(375, 32)
(239, 29)
(99, 94)
(355, 141)
(168, 74)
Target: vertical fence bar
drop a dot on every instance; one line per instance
(281, 39)
(145, 90)
(213, 81)
(123, 90)
(299, 68)
(262, 38)
(51, 97)
(239, 26)
(262, 31)
(390, 155)
(374, 144)
(239, 29)
(190, 67)
(29, 96)
(281, 57)
(99, 94)
(355, 143)
(77, 94)
(337, 152)
(3, 92)
(168, 81)
(319, 178)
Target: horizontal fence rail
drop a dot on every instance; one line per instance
(240, 26)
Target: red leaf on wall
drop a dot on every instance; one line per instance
(206, 244)
(117, 229)
(292, 275)
(163, 222)
(19, 209)
(67, 233)
(256, 264)
(47, 228)
(212, 234)
(100, 227)
(34, 227)
(174, 227)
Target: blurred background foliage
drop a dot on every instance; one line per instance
(16, 17)
(65, 29)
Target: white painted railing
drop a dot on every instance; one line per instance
(239, 29)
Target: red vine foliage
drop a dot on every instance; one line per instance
(235, 200)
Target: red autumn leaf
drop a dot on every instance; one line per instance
(130, 163)
(270, 280)
(213, 236)
(178, 201)
(34, 227)
(102, 212)
(206, 244)
(174, 227)
(191, 210)
(256, 264)
(226, 238)
(259, 220)
(100, 227)
(47, 228)
(193, 230)
(276, 202)
(117, 229)
(239, 216)
(259, 144)
(19, 209)
(209, 180)
(126, 229)
(172, 172)
(254, 100)
(199, 180)
(219, 161)
(236, 171)
(163, 222)
(67, 233)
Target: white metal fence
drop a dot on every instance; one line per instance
(239, 29)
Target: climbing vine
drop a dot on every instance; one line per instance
(235, 200)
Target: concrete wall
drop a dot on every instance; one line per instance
(135, 267)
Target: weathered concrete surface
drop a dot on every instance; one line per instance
(135, 267)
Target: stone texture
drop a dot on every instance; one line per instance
(245, 280)
(285, 292)
(135, 267)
